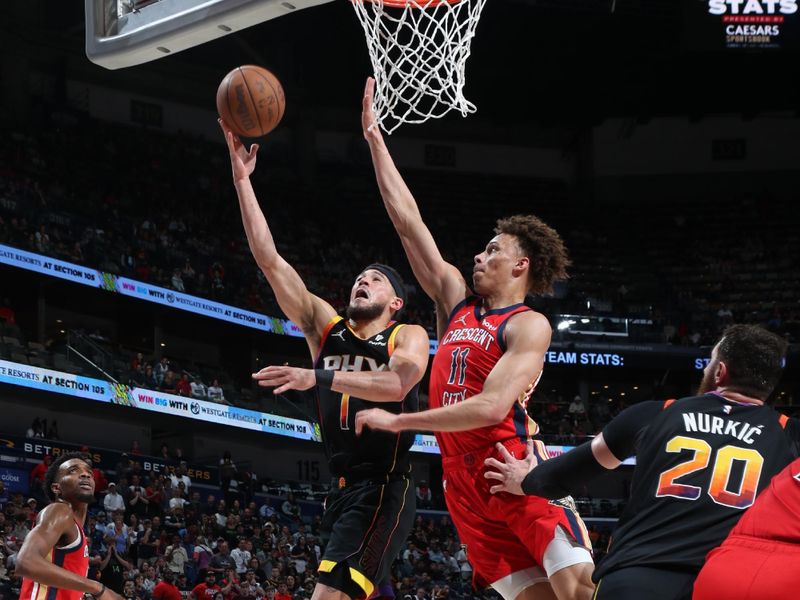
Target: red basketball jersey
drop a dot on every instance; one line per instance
(468, 351)
(73, 558)
(776, 512)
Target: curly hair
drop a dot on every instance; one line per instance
(52, 470)
(544, 248)
(754, 357)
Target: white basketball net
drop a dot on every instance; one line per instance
(419, 53)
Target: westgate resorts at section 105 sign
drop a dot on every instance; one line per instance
(741, 24)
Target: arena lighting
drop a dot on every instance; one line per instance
(584, 320)
(565, 324)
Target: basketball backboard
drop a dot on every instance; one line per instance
(123, 33)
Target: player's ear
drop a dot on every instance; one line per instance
(56, 489)
(721, 375)
(396, 304)
(521, 265)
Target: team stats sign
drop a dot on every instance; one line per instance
(741, 24)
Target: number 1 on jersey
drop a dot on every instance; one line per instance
(458, 366)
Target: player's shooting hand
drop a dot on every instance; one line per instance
(375, 418)
(243, 162)
(369, 122)
(511, 471)
(284, 378)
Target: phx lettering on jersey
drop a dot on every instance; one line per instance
(347, 362)
(705, 423)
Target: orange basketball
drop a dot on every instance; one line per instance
(250, 100)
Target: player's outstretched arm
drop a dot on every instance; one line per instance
(440, 280)
(55, 522)
(527, 339)
(406, 368)
(308, 311)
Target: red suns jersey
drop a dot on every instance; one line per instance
(468, 350)
(73, 558)
(776, 512)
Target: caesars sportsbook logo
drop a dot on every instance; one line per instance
(752, 23)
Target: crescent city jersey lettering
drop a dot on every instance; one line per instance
(468, 351)
(776, 514)
(74, 558)
(700, 463)
(373, 453)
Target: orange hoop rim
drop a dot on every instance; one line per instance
(420, 4)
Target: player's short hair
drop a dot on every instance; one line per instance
(544, 248)
(754, 357)
(52, 471)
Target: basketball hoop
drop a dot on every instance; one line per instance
(419, 50)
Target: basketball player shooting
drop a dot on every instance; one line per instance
(491, 354)
(362, 361)
(54, 559)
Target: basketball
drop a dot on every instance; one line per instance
(250, 100)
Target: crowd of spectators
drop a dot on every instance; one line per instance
(179, 228)
(146, 528)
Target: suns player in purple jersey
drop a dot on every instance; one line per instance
(490, 357)
(54, 558)
(366, 359)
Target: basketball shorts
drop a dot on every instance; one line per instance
(364, 527)
(505, 533)
(746, 568)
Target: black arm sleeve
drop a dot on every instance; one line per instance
(563, 475)
(622, 433)
(566, 474)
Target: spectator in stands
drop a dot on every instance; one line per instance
(290, 508)
(181, 475)
(424, 497)
(36, 429)
(576, 408)
(151, 539)
(222, 560)
(137, 361)
(166, 588)
(198, 389)
(241, 557)
(202, 555)
(176, 556)
(117, 532)
(227, 472)
(138, 503)
(206, 590)
(150, 381)
(183, 387)
(177, 281)
(113, 500)
(3, 500)
(161, 370)
(215, 393)
(175, 521)
(112, 567)
(283, 592)
(250, 587)
(37, 476)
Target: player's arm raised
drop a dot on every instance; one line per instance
(527, 339)
(55, 522)
(441, 281)
(406, 368)
(308, 311)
